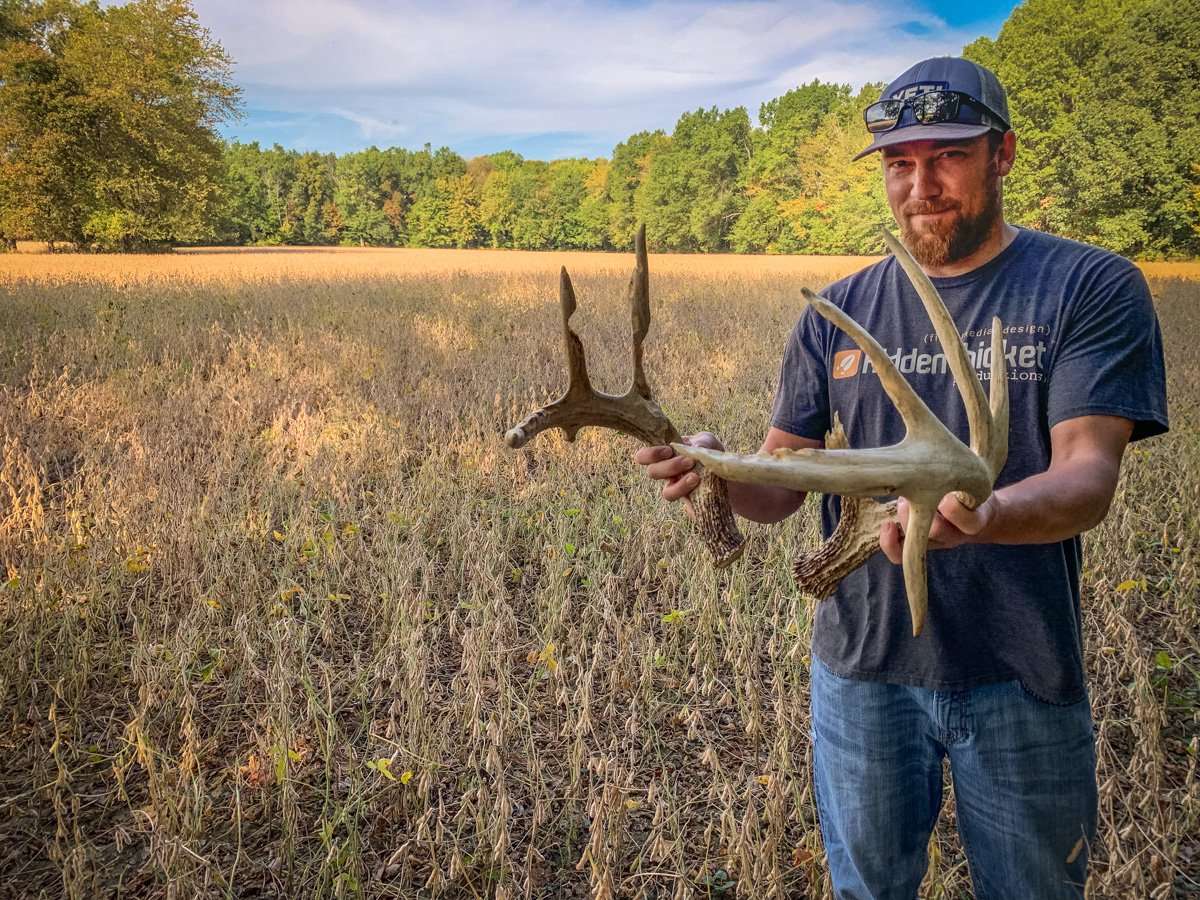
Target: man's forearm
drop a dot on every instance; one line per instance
(763, 503)
(1054, 505)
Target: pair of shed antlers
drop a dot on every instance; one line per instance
(927, 464)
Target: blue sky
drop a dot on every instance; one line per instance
(552, 78)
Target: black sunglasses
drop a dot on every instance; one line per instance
(928, 109)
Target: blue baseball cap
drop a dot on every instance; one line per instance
(946, 73)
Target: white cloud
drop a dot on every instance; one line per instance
(467, 70)
(372, 128)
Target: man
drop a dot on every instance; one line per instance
(995, 682)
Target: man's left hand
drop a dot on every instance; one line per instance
(953, 526)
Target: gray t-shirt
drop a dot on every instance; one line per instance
(1081, 338)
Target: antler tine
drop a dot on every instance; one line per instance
(996, 453)
(979, 417)
(913, 411)
(916, 545)
(578, 383)
(579, 393)
(639, 301)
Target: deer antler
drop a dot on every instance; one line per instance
(927, 464)
(634, 413)
(854, 540)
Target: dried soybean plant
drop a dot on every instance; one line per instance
(927, 464)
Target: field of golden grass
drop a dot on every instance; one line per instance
(280, 615)
(255, 264)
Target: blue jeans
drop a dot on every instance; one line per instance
(1024, 782)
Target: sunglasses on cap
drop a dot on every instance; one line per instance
(929, 108)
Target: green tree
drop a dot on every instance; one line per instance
(593, 211)
(842, 203)
(1195, 214)
(630, 162)
(448, 215)
(42, 172)
(774, 174)
(498, 206)
(108, 121)
(786, 122)
(564, 199)
(365, 183)
(1105, 100)
(530, 228)
(691, 195)
(248, 216)
(310, 197)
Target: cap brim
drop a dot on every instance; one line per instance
(943, 131)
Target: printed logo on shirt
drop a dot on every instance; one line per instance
(846, 363)
(1024, 362)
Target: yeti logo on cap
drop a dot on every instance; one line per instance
(912, 90)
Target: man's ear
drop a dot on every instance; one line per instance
(1006, 153)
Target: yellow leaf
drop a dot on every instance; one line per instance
(212, 602)
(278, 535)
(1129, 585)
(764, 780)
(288, 593)
(406, 776)
(547, 657)
(382, 765)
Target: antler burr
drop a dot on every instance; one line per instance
(927, 464)
(635, 412)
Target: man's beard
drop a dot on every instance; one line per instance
(954, 237)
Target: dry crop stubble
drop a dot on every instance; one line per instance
(283, 617)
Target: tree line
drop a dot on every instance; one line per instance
(108, 139)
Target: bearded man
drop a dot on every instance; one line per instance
(995, 682)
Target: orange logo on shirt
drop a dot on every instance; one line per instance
(846, 363)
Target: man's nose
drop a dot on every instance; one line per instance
(925, 182)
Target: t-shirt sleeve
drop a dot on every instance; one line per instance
(802, 399)
(1110, 359)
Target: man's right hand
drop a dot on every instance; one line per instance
(758, 502)
(664, 464)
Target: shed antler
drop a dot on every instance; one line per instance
(634, 413)
(927, 464)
